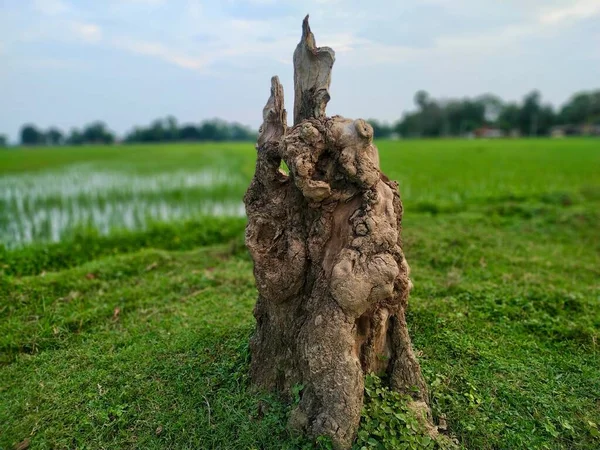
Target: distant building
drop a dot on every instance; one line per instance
(515, 133)
(560, 131)
(590, 129)
(488, 133)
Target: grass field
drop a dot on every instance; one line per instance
(126, 294)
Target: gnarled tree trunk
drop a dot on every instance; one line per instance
(333, 282)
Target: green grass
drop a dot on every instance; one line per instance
(87, 244)
(140, 340)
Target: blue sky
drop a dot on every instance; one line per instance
(127, 62)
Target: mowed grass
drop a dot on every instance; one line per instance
(144, 345)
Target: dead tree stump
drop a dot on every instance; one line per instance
(332, 279)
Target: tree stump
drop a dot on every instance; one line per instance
(332, 279)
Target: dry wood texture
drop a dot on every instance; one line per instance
(332, 279)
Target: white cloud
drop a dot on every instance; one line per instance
(50, 7)
(89, 32)
(261, 2)
(163, 53)
(240, 42)
(488, 39)
(60, 31)
(538, 25)
(195, 9)
(577, 10)
(341, 42)
(146, 2)
(53, 63)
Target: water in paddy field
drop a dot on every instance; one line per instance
(51, 205)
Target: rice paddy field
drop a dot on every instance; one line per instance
(126, 295)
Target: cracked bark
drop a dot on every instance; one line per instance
(332, 279)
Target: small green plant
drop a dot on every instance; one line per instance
(296, 390)
(387, 422)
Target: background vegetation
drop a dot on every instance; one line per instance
(167, 130)
(458, 117)
(433, 118)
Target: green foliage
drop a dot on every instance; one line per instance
(30, 135)
(94, 133)
(209, 130)
(159, 131)
(387, 421)
(433, 118)
(54, 137)
(582, 107)
(455, 117)
(97, 133)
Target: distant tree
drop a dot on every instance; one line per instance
(583, 107)
(157, 131)
(472, 115)
(409, 125)
(546, 119)
(239, 132)
(421, 99)
(172, 129)
(461, 116)
(455, 117)
(75, 137)
(3, 141)
(30, 135)
(431, 118)
(54, 136)
(189, 133)
(508, 119)
(529, 114)
(97, 133)
(381, 130)
(492, 106)
(211, 130)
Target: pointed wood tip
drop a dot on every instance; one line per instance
(305, 26)
(308, 38)
(312, 75)
(275, 81)
(274, 115)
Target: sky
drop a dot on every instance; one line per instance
(66, 63)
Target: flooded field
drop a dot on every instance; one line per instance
(47, 194)
(51, 205)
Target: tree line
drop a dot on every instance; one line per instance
(432, 118)
(460, 117)
(160, 130)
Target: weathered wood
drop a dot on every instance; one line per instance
(274, 123)
(332, 279)
(312, 76)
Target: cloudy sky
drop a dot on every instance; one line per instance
(126, 62)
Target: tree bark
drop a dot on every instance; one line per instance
(332, 279)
